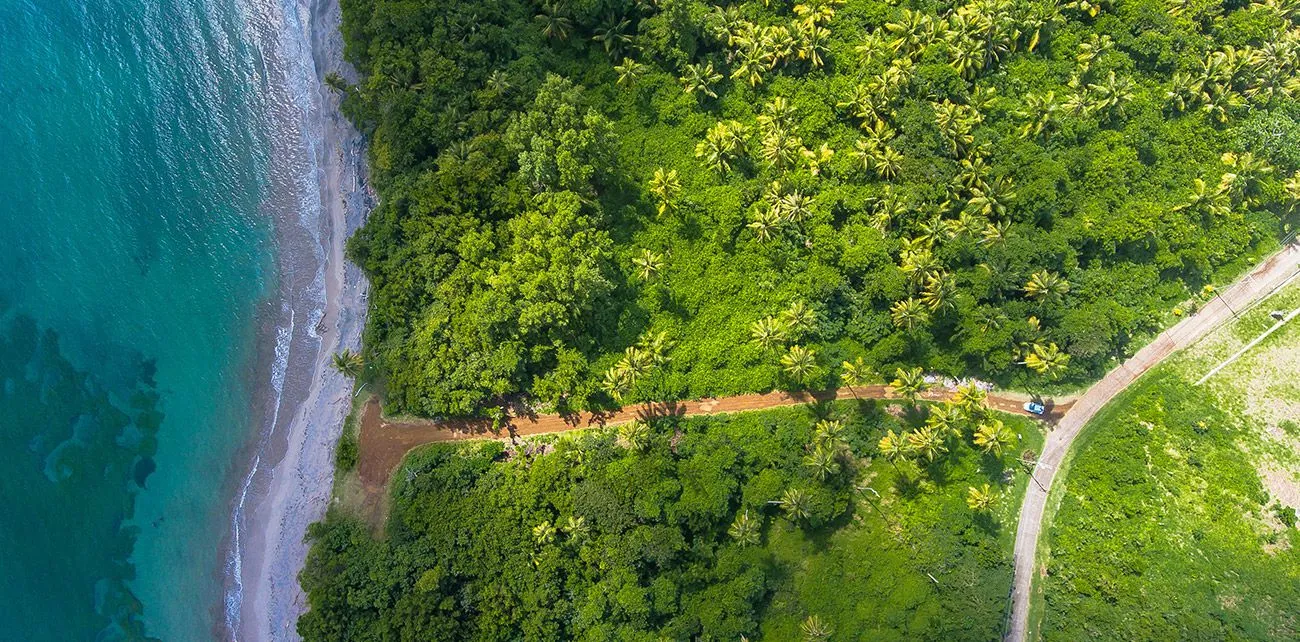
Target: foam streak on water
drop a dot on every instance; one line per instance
(234, 562)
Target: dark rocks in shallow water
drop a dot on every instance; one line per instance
(143, 468)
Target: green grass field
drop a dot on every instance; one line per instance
(1177, 520)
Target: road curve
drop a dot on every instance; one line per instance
(1268, 276)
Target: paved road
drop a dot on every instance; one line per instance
(1264, 279)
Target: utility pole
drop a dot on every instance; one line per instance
(1225, 304)
(1215, 291)
(862, 489)
(1029, 467)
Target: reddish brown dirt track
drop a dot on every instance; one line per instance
(385, 442)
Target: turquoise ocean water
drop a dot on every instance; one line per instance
(135, 255)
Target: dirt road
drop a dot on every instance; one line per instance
(1264, 279)
(385, 442)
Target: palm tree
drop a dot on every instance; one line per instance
(822, 462)
(909, 384)
(768, 332)
(554, 24)
(1185, 91)
(1039, 112)
(885, 161)
(498, 82)
(940, 293)
(1292, 188)
(945, 419)
(816, 12)
(956, 122)
(1048, 361)
(913, 31)
(656, 346)
(980, 499)
(1113, 94)
(799, 317)
(918, 262)
(810, 41)
(995, 233)
(909, 314)
(829, 434)
(795, 503)
(866, 106)
(767, 222)
(886, 209)
(1090, 7)
(873, 47)
(993, 436)
(637, 360)
(893, 447)
(617, 382)
(544, 533)
(968, 225)
(348, 363)
(1046, 286)
(730, 24)
(751, 67)
(856, 373)
(636, 434)
(816, 158)
(795, 206)
(629, 71)
(665, 186)
(927, 443)
(778, 113)
(800, 363)
(622, 376)
(746, 530)
(1249, 172)
(970, 398)
(612, 34)
(648, 264)
(815, 630)
(700, 78)
(1092, 49)
(967, 58)
(1080, 103)
(974, 173)
(992, 199)
(576, 526)
(1207, 200)
(780, 149)
(721, 144)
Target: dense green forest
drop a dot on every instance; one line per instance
(778, 525)
(603, 201)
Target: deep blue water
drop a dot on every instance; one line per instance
(136, 253)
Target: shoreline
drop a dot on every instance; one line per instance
(287, 472)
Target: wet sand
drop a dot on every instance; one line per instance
(292, 473)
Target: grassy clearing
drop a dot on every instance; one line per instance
(1177, 519)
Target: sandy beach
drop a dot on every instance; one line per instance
(291, 475)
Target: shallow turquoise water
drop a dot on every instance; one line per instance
(136, 255)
